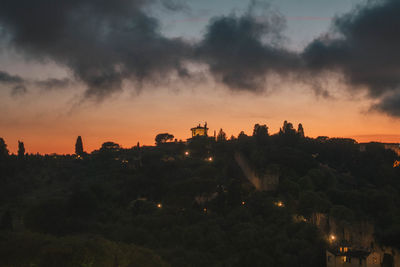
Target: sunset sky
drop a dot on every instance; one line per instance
(127, 70)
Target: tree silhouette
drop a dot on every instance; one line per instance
(300, 130)
(110, 146)
(163, 138)
(21, 149)
(287, 129)
(79, 146)
(3, 148)
(260, 130)
(221, 135)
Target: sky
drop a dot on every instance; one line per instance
(126, 70)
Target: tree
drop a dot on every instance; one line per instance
(21, 149)
(221, 136)
(110, 146)
(79, 146)
(3, 148)
(163, 138)
(300, 130)
(287, 129)
(260, 130)
(242, 135)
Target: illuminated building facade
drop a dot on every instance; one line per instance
(199, 130)
(345, 255)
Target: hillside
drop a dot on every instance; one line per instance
(193, 203)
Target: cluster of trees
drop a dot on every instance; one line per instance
(170, 205)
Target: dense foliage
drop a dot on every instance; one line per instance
(190, 203)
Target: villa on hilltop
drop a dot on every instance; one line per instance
(200, 130)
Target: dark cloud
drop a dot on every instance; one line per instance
(52, 83)
(18, 85)
(389, 105)
(241, 51)
(14, 82)
(364, 46)
(106, 42)
(101, 41)
(6, 78)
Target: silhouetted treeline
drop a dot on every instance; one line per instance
(190, 204)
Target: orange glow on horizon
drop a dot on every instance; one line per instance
(49, 126)
(66, 145)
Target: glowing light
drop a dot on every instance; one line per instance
(243, 203)
(205, 209)
(186, 153)
(159, 205)
(279, 204)
(396, 164)
(332, 238)
(210, 159)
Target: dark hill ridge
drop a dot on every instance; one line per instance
(192, 204)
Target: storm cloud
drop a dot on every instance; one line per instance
(6, 78)
(364, 46)
(106, 42)
(242, 51)
(103, 42)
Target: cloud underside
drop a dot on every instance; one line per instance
(106, 42)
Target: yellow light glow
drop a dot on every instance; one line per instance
(332, 237)
(279, 204)
(186, 153)
(243, 203)
(159, 205)
(205, 209)
(396, 164)
(210, 159)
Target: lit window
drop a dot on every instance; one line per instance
(346, 259)
(345, 249)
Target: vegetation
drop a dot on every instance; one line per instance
(190, 204)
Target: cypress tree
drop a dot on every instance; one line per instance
(79, 146)
(21, 149)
